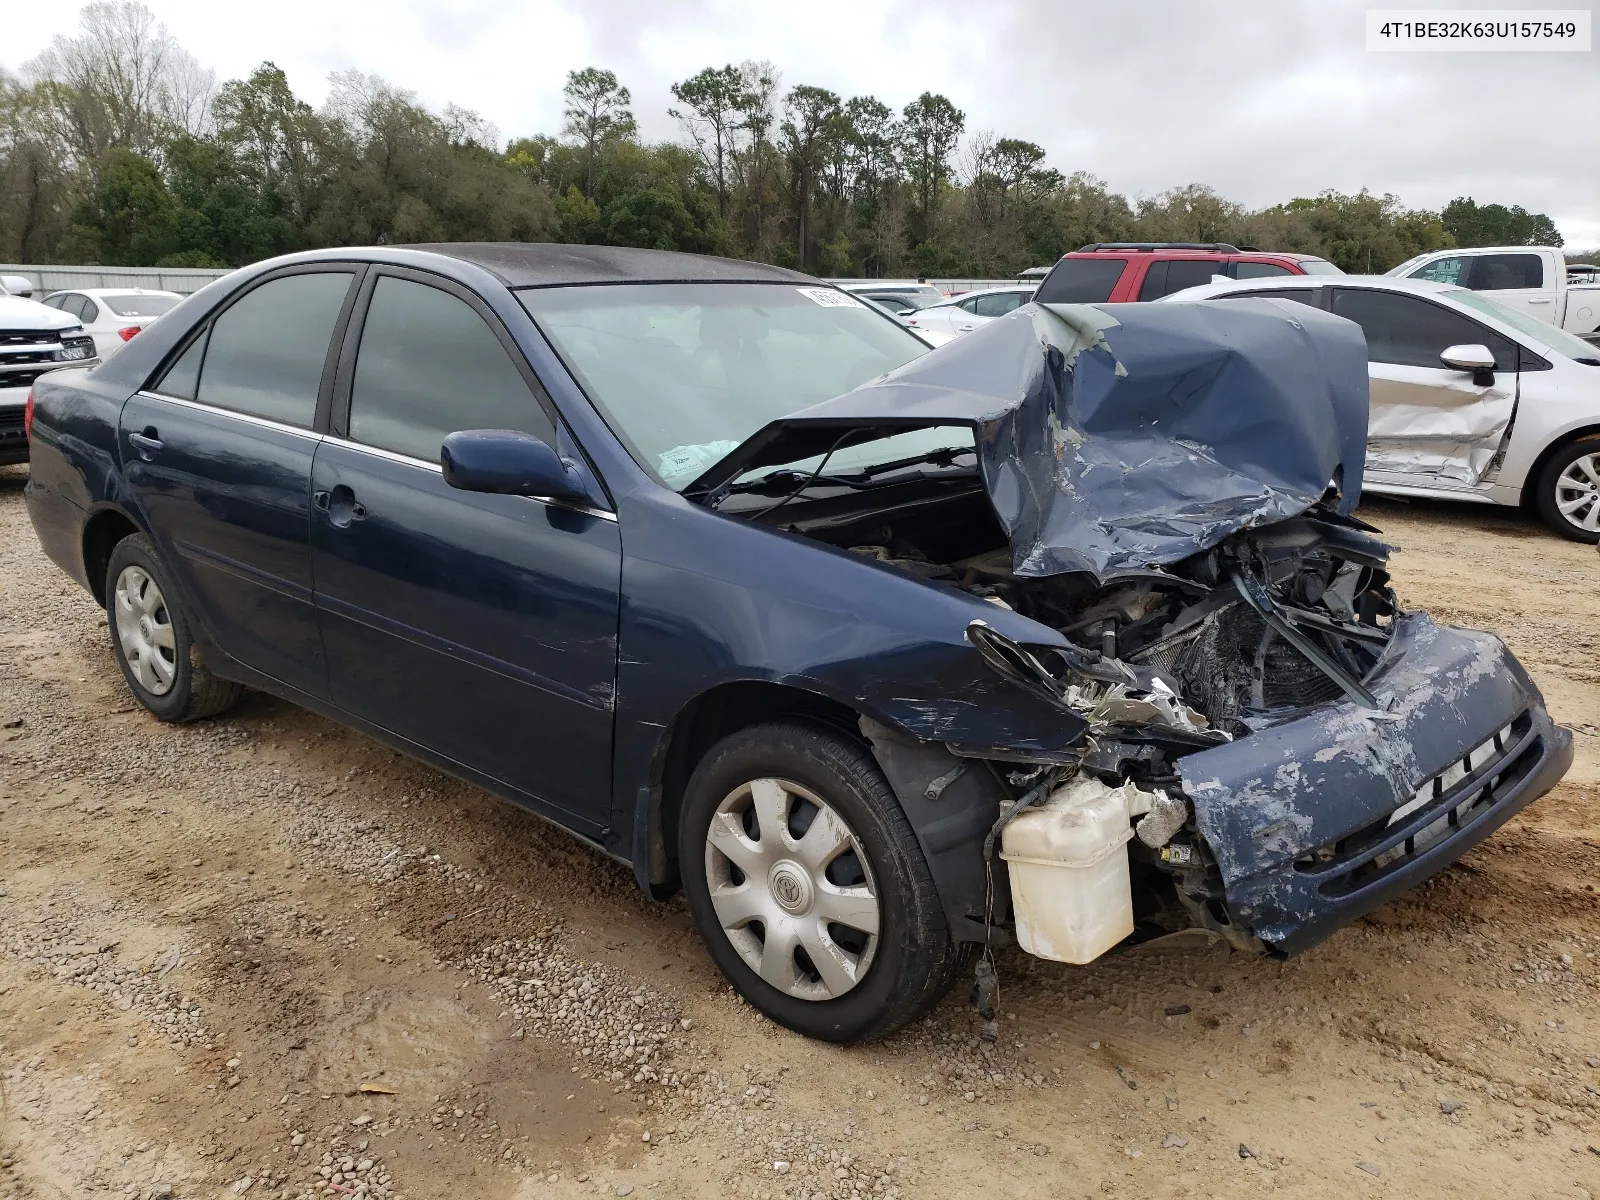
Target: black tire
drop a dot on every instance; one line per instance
(915, 960)
(194, 691)
(1546, 491)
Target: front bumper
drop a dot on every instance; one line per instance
(1328, 815)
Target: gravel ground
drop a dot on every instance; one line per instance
(264, 956)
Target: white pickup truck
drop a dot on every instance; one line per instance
(1530, 279)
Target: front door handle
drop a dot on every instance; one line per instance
(341, 506)
(148, 443)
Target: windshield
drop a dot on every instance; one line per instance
(684, 372)
(1396, 272)
(138, 306)
(1558, 340)
(1319, 266)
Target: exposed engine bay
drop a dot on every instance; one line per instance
(1162, 662)
(1269, 620)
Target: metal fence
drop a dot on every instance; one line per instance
(45, 280)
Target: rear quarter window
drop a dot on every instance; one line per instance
(1081, 281)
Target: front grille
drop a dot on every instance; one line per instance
(33, 356)
(1451, 800)
(27, 337)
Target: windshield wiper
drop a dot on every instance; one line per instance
(786, 479)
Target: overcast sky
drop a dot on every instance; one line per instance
(1261, 100)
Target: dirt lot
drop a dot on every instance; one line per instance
(266, 956)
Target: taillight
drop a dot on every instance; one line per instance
(127, 334)
(27, 416)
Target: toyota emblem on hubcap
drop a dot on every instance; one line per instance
(791, 887)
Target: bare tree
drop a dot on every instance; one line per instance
(122, 81)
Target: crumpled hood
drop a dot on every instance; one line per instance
(1121, 436)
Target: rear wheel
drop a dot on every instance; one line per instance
(1569, 491)
(808, 886)
(152, 641)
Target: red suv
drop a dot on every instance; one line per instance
(1121, 271)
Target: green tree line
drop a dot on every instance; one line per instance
(117, 147)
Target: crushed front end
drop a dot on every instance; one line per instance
(1331, 751)
(1165, 495)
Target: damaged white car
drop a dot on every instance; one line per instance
(1472, 399)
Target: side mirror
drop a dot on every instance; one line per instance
(16, 285)
(509, 463)
(1472, 357)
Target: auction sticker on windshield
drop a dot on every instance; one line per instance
(830, 298)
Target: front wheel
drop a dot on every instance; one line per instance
(1569, 491)
(152, 641)
(808, 886)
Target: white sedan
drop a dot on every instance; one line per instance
(1470, 400)
(964, 313)
(113, 315)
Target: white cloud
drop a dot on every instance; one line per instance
(1260, 99)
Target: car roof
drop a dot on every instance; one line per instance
(549, 264)
(126, 291)
(115, 291)
(1193, 252)
(960, 296)
(1275, 283)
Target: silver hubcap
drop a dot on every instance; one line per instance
(792, 889)
(1578, 493)
(144, 630)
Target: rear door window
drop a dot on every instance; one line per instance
(267, 350)
(1410, 331)
(1081, 281)
(429, 365)
(1174, 275)
(1505, 272)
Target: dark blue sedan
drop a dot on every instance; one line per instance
(720, 569)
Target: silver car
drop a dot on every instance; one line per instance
(1470, 400)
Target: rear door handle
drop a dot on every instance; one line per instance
(148, 444)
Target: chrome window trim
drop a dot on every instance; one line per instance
(424, 464)
(248, 418)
